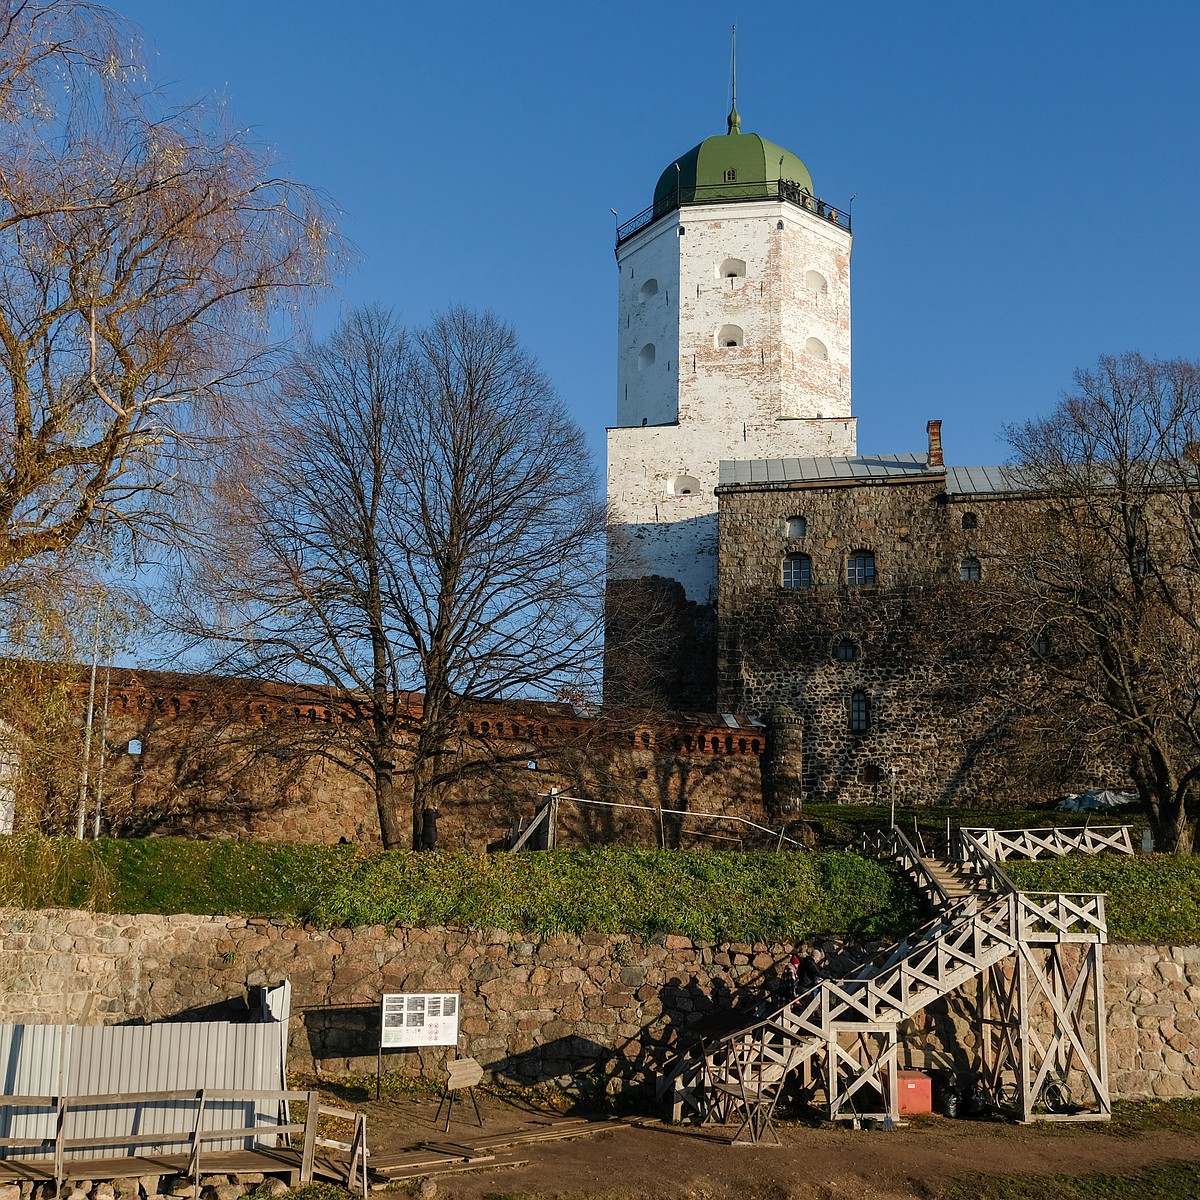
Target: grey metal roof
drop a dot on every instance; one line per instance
(821, 470)
(966, 480)
(979, 480)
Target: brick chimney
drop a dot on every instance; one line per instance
(934, 429)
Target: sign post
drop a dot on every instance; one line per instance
(415, 1019)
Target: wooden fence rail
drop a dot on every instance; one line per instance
(193, 1138)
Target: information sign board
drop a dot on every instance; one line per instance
(419, 1019)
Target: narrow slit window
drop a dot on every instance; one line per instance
(860, 712)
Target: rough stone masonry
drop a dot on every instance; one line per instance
(586, 1011)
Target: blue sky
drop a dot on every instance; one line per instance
(1026, 174)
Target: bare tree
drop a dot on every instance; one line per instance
(1106, 568)
(424, 536)
(143, 257)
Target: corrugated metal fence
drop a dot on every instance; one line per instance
(96, 1060)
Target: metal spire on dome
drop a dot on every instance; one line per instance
(734, 121)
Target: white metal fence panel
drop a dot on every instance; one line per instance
(31, 1057)
(100, 1060)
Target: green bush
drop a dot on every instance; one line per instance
(171, 875)
(719, 896)
(1151, 897)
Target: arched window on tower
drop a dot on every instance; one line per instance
(649, 288)
(646, 356)
(816, 283)
(816, 349)
(969, 570)
(730, 335)
(732, 268)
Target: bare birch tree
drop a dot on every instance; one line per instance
(424, 536)
(144, 256)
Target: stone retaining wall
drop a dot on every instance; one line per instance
(579, 1010)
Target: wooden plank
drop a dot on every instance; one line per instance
(341, 1114)
(452, 1148)
(450, 1168)
(310, 1136)
(227, 1162)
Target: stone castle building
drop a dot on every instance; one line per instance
(789, 621)
(794, 579)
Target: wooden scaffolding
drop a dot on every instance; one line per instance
(1031, 954)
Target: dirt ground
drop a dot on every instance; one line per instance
(629, 1162)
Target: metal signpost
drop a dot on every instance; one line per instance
(411, 1020)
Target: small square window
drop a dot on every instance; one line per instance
(860, 569)
(970, 520)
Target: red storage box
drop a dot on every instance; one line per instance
(916, 1092)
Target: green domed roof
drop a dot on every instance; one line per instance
(703, 172)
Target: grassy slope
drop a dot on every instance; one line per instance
(704, 894)
(1151, 898)
(717, 896)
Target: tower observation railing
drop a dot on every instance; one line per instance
(732, 193)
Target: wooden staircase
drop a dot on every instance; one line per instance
(842, 1036)
(954, 880)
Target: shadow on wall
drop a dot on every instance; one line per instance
(660, 648)
(342, 1033)
(221, 769)
(675, 1018)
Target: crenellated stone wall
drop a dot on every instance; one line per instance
(239, 759)
(583, 1011)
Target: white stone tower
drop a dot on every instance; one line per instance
(733, 343)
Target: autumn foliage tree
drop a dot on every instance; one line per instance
(144, 256)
